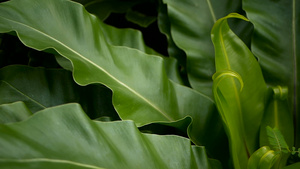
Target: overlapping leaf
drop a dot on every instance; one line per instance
(239, 89)
(134, 39)
(173, 51)
(263, 158)
(141, 89)
(13, 112)
(68, 139)
(40, 88)
(277, 115)
(191, 24)
(276, 44)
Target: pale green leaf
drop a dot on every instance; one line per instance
(263, 158)
(240, 93)
(256, 157)
(268, 160)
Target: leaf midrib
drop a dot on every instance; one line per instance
(211, 11)
(235, 88)
(97, 66)
(229, 68)
(277, 140)
(24, 94)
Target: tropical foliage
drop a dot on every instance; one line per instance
(149, 84)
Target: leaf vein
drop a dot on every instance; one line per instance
(92, 63)
(25, 95)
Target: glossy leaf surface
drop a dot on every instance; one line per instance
(141, 90)
(276, 44)
(67, 138)
(239, 90)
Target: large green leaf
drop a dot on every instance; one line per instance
(141, 90)
(134, 39)
(239, 89)
(64, 137)
(40, 88)
(191, 24)
(275, 43)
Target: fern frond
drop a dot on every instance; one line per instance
(277, 140)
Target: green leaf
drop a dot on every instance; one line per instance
(268, 160)
(13, 112)
(191, 24)
(67, 138)
(277, 116)
(256, 157)
(276, 139)
(141, 89)
(126, 37)
(134, 39)
(173, 51)
(40, 88)
(239, 89)
(118, 37)
(165, 28)
(263, 158)
(275, 44)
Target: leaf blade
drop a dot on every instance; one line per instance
(237, 107)
(275, 39)
(276, 139)
(90, 144)
(138, 94)
(191, 24)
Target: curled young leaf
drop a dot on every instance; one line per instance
(241, 110)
